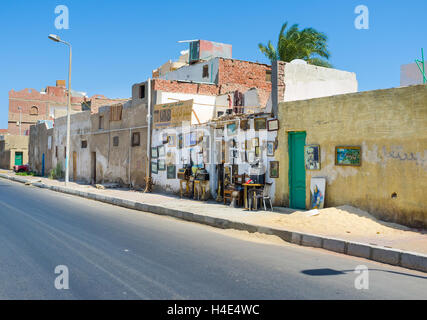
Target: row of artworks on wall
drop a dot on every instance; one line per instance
(344, 156)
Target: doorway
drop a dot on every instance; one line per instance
(296, 142)
(18, 158)
(74, 166)
(93, 165)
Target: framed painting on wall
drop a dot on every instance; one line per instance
(180, 141)
(219, 132)
(348, 156)
(161, 151)
(172, 140)
(312, 157)
(171, 172)
(165, 138)
(251, 156)
(244, 125)
(273, 125)
(154, 153)
(274, 169)
(193, 138)
(200, 135)
(231, 129)
(255, 142)
(161, 165)
(248, 145)
(154, 167)
(260, 124)
(270, 148)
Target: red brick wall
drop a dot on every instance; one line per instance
(232, 75)
(244, 73)
(54, 96)
(28, 98)
(184, 87)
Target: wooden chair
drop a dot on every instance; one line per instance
(227, 195)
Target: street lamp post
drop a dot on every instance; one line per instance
(67, 160)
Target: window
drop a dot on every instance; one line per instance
(220, 113)
(56, 152)
(205, 71)
(116, 112)
(84, 144)
(135, 139)
(101, 123)
(115, 141)
(142, 91)
(65, 152)
(268, 75)
(34, 111)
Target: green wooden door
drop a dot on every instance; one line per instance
(296, 142)
(18, 158)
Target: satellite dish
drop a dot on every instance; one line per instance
(298, 61)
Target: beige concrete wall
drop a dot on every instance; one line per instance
(390, 126)
(39, 145)
(112, 162)
(10, 145)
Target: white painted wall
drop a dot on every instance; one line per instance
(194, 72)
(172, 185)
(305, 81)
(204, 106)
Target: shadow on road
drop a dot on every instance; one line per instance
(332, 272)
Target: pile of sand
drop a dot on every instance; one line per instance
(350, 223)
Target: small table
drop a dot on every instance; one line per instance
(246, 186)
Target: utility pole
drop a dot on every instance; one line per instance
(421, 66)
(67, 156)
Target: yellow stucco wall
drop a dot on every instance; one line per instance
(390, 126)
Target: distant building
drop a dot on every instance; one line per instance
(28, 106)
(13, 151)
(410, 75)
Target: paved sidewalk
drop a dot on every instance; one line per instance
(390, 245)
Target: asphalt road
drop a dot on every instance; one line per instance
(117, 253)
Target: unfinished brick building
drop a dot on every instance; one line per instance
(28, 106)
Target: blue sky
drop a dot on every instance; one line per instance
(118, 43)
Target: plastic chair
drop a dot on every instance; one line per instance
(264, 194)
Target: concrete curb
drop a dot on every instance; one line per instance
(410, 260)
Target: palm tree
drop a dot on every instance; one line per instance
(307, 44)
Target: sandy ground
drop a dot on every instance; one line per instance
(345, 222)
